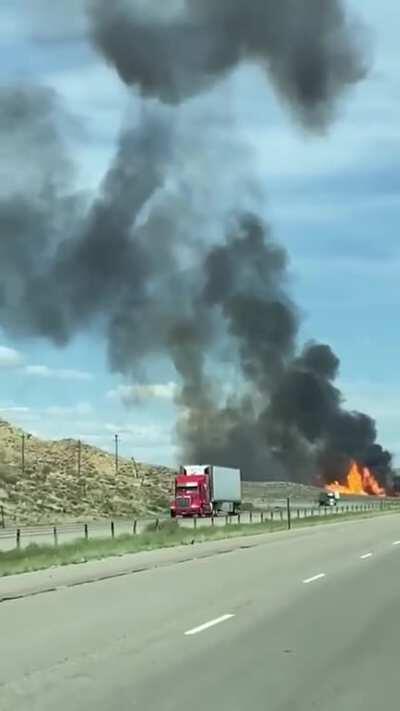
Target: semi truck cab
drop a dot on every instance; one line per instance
(191, 496)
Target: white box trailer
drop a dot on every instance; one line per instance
(226, 488)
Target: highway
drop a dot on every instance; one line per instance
(305, 620)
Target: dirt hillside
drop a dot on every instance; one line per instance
(45, 485)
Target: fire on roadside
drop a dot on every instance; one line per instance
(360, 481)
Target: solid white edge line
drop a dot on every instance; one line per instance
(366, 555)
(396, 543)
(314, 577)
(209, 624)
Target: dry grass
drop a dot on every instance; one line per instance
(50, 489)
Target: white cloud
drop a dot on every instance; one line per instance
(380, 400)
(137, 394)
(45, 20)
(10, 27)
(16, 410)
(10, 358)
(81, 409)
(43, 371)
(141, 435)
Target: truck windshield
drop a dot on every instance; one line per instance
(187, 489)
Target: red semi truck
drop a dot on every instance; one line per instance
(205, 490)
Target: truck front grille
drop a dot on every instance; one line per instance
(182, 503)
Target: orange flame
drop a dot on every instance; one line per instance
(360, 481)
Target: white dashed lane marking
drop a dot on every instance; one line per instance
(209, 624)
(366, 555)
(314, 578)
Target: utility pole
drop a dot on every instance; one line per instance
(79, 457)
(81, 481)
(23, 437)
(135, 467)
(116, 454)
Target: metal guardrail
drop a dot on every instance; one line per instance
(285, 513)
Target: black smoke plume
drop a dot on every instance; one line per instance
(173, 50)
(114, 261)
(290, 419)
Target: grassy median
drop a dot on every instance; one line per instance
(168, 534)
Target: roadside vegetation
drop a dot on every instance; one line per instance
(163, 535)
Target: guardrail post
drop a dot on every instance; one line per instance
(18, 538)
(226, 520)
(238, 518)
(262, 517)
(251, 516)
(112, 529)
(157, 524)
(289, 517)
(2, 522)
(195, 522)
(281, 514)
(212, 520)
(86, 531)
(134, 529)
(55, 536)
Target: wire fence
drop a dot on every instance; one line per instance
(285, 516)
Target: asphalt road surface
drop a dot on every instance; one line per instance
(308, 620)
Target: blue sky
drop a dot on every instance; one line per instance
(333, 201)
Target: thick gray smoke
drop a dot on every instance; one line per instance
(115, 261)
(38, 208)
(173, 50)
(290, 420)
(64, 265)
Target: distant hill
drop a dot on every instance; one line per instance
(263, 493)
(49, 488)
